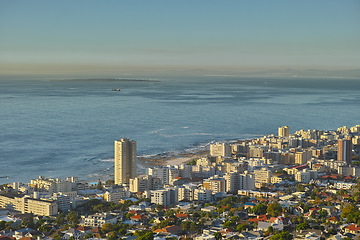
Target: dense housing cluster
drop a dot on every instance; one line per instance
(291, 186)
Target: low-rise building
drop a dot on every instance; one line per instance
(98, 220)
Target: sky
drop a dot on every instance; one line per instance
(73, 37)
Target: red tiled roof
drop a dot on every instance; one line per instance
(136, 217)
(314, 209)
(353, 227)
(259, 218)
(181, 215)
(170, 229)
(7, 238)
(83, 228)
(273, 219)
(95, 230)
(301, 167)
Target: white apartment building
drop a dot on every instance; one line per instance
(98, 220)
(116, 195)
(161, 197)
(29, 205)
(220, 149)
(202, 195)
(63, 201)
(303, 157)
(263, 175)
(302, 176)
(160, 172)
(204, 162)
(50, 185)
(185, 171)
(236, 181)
(215, 184)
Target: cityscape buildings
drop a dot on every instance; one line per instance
(308, 175)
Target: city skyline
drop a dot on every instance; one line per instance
(213, 37)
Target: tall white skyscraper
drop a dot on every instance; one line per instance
(125, 160)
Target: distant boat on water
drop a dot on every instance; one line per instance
(116, 89)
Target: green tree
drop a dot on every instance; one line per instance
(107, 227)
(112, 236)
(186, 225)
(323, 213)
(242, 227)
(73, 217)
(284, 235)
(347, 211)
(88, 235)
(144, 235)
(302, 226)
(28, 221)
(192, 162)
(274, 209)
(2, 225)
(259, 209)
(217, 235)
(99, 185)
(57, 236)
(110, 182)
(60, 219)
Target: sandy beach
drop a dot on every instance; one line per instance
(172, 158)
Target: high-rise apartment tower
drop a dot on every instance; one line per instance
(125, 160)
(344, 150)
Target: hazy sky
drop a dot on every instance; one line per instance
(128, 36)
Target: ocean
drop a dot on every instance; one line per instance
(67, 128)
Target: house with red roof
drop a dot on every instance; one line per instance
(333, 219)
(7, 238)
(170, 229)
(136, 218)
(353, 228)
(182, 216)
(259, 218)
(96, 231)
(84, 229)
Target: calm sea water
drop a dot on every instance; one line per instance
(67, 128)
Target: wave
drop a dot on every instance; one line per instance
(107, 160)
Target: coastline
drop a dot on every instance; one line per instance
(176, 157)
(172, 158)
